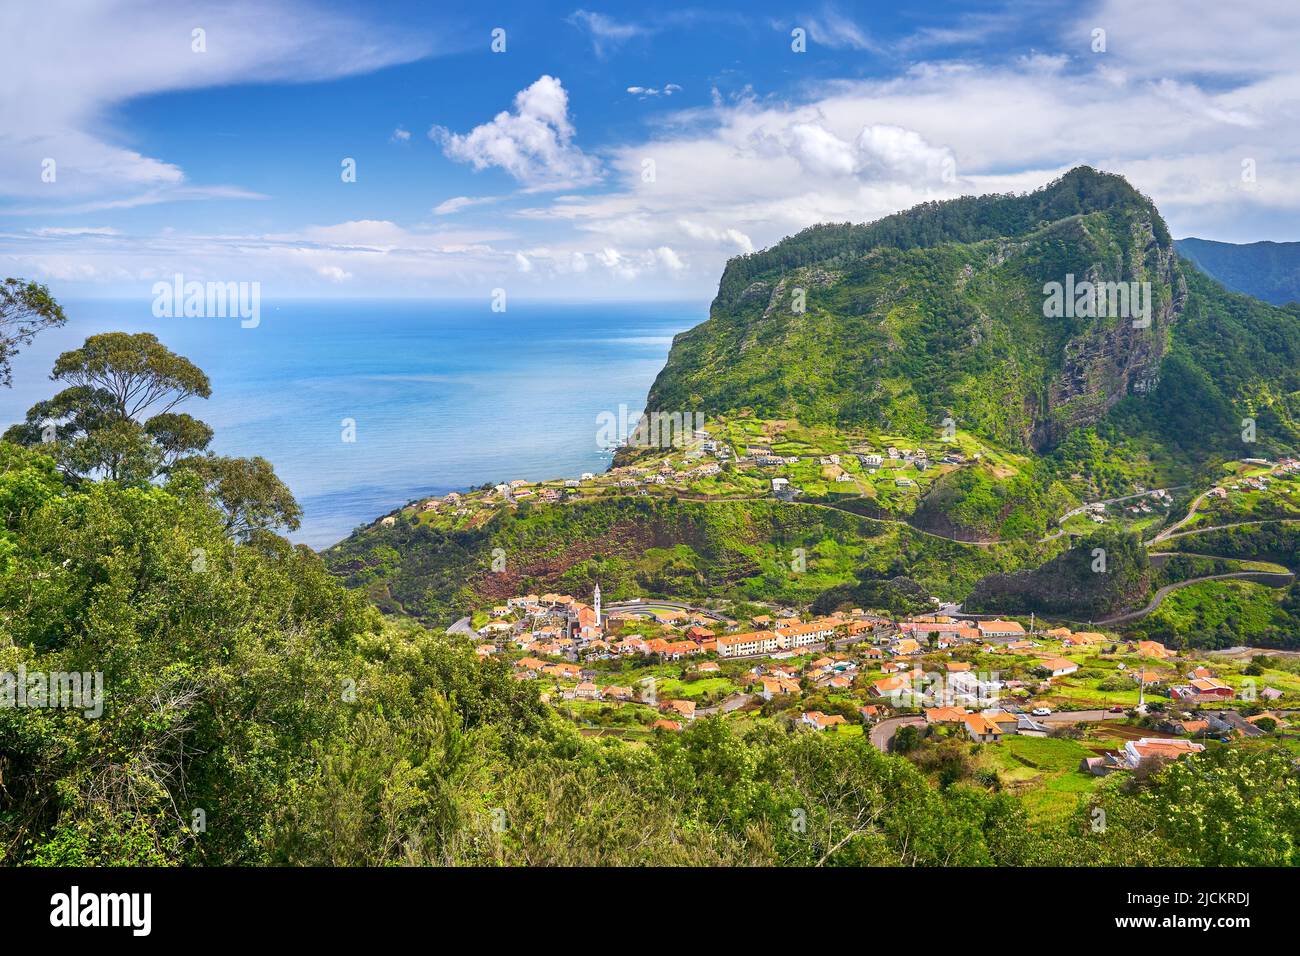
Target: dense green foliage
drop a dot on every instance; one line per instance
(975, 504)
(115, 416)
(1102, 573)
(935, 313)
(938, 313)
(115, 420)
(966, 220)
(1232, 357)
(256, 712)
(1226, 613)
(764, 550)
(1278, 541)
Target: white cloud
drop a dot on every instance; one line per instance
(820, 151)
(1196, 37)
(725, 236)
(669, 259)
(833, 29)
(455, 204)
(522, 263)
(54, 231)
(751, 169)
(68, 64)
(533, 143)
(644, 92)
(401, 135)
(901, 152)
(858, 150)
(606, 33)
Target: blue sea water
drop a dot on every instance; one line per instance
(445, 395)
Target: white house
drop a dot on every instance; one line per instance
(1058, 666)
(743, 645)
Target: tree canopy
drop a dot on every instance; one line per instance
(26, 308)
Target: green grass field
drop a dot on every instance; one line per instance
(1043, 772)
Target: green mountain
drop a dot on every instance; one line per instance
(942, 312)
(1266, 270)
(966, 316)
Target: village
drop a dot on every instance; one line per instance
(737, 458)
(648, 666)
(1047, 708)
(747, 458)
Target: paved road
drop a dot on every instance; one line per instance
(1234, 524)
(1105, 501)
(461, 627)
(883, 733)
(1272, 579)
(734, 702)
(1191, 513)
(1173, 532)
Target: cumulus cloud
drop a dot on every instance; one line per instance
(820, 151)
(882, 151)
(902, 152)
(669, 259)
(401, 135)
(533, 142)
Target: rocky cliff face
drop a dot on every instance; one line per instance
(1110, 360)
(943, 312)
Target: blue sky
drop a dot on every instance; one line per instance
(611, 151)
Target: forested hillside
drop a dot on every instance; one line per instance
(632, 547)
(938, 314)
(1265, 270)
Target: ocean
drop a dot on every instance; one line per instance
(444, 395)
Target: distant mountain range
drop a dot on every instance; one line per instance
(1266, 270)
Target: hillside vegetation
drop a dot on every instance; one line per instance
(745, 550)
(1265, 270)
(921, 324)
(1102, 573)
(938, 313)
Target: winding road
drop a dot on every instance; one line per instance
(1273, 579)
(1169, 532)
(1105, 501)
